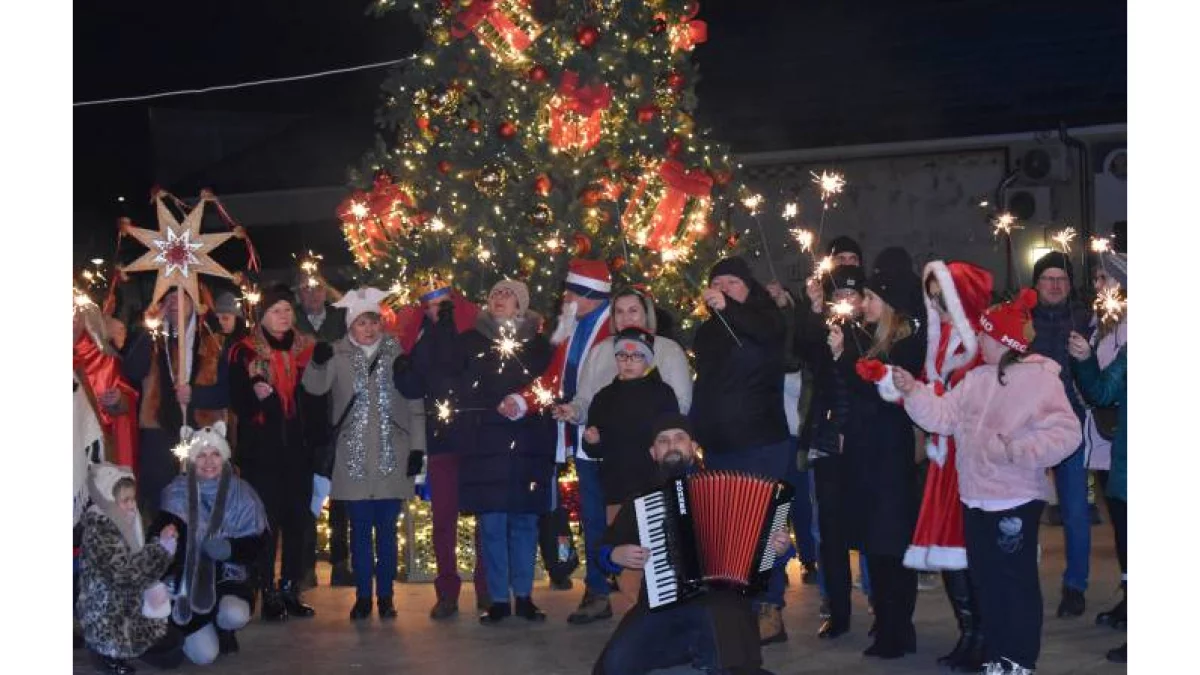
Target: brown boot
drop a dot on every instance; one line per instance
(770, 625)
(592, 608)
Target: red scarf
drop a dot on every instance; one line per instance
(281, 368)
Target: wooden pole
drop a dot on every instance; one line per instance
(180, 330)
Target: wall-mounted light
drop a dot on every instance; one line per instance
(1036, 253)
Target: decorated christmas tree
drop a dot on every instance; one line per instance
(530, 131)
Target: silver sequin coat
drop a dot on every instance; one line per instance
(382, 427)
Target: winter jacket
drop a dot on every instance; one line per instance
(881, 495)
(112, 580)
(1030, 410)
(381, 428)
(1106, 388)
(737, 399)
(600, 368)
(829, 407)
(1052, 325)
(507, 465)
(425, 376)
(624, 412)
(1096, 448)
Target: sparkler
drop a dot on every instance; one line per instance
(153, 326)
(831, 183)
(82, 300)
(1110, 306)
(1101, 245)
(790, 210)
(543, 396)
(1004, 223)
(714, 309)
(804, 238)
(752, 203)
(181, 450)
(825, 266)
(842, 311)
(444, 411)
(1064, 239)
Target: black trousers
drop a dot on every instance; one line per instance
(286, 499)
(1002, 548)
(1118, 513)
(339, 533)
(834, 551)
(894, 592)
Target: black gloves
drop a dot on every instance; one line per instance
(400, 365)
(416, 460)
(217, 548)
(322, 353)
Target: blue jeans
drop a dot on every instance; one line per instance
(591, 512)
(509, 549)
(771, 461)
(1070, 480)
(374, 517)
(648, 641)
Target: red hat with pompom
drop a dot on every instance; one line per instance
(1010, 323)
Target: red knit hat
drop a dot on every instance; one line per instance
(589, 278)
(1010, 323)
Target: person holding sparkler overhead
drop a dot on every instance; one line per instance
(506, 470)
(737, 402)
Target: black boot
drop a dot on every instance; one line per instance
(289, 591)
(273, 608)
(1072, 603)
(528, 611)
(808, 576)
(227, 640)
(1114, 617)
(833, 627)
(341, 576)
(958, 592)
(361, 609)
(496, 613)
(386, 609)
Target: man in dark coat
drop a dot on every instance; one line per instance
(325, 323)
(737, 401)
(715, 631)
(1058, 314)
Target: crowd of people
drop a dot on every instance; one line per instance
(922, 424)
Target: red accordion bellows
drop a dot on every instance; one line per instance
(729, 510)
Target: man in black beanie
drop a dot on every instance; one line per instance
(1058, 314)
(716, 630)
(845, 251)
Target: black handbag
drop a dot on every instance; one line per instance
(326, 454)
(1106, 421)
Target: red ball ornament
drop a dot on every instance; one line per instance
(617, 263)
(660, 24)
(587, 36)
(542, 185)
(647, 113)
(674, 145)
(474, 127)
(675, 80)
(612, 163)
(422, 123)
(589, 197)
(443, 166)
(583, 245)
(538, 74)
(506, 130)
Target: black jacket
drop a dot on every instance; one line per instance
(507, 465)
(624, 412)
(737, 402)
(882, 499)
(1053, 326)
(433, 380)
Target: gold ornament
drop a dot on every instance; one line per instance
(542, 215)
(490, 181)
(642, 46)
(685, 124)
(528, 265)
(461, 246)
(441, 36)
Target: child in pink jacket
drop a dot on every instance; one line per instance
(1011, 420)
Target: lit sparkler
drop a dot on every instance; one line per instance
(1110, 306)
(436, 224)
(804, 238)
(444, 411)
(790, 210)
(752, 203)
(1064, 239)
(841, 311)
(181, 450)
(825, 266)
(82, 300)
(1004, 223)
(153, 326)
(831, 183)
(543, 396)
(1101, 245)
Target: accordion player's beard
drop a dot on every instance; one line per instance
(673, 465)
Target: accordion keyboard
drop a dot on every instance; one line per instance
(662, 581)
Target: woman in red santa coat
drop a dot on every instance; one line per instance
(956, 294)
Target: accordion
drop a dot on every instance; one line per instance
(711, 528)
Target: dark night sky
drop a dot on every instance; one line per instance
(777, 75)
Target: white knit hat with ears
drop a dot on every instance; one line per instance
(208, 437)
(360, 301)
(105, 477)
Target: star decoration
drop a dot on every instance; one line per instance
(178, 251)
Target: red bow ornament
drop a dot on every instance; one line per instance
(505, 27)
(669, 208)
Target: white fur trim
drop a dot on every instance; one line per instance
(958, 318)
(566, 324)
(588, 282)
(937, 452)
(935, 558)
(887, 388)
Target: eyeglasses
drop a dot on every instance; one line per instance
(635, 356)
(1055, 280)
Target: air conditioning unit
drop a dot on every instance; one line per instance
(1043, 163)
(1110, 189)
(1031, 206)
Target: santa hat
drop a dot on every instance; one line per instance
(208, 437)
(966, 291)
(589, 278)
(1010, 323)
(361, 301)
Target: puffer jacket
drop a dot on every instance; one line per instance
(1007, 435)
(1106, 388)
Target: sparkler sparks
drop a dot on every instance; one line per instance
(444, 411)
(543, 396)
(752, 203)
(825, 266)
(842, 311)
(1064, 239)
(1004, 223)
(1110, 306)
(181, 450)
(831, 183)
(1101, 245)
(153, 326)
(790, 210)
(82, 300)
(804, 238)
